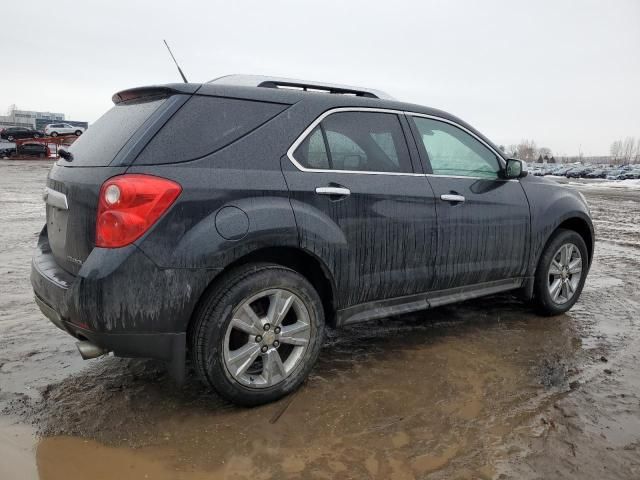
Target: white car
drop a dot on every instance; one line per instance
(55, 129)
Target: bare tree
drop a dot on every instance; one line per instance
(636, 156)
(616, 151)
(512, 151)
(545, 152)
(624, 152)
(527, 150)
(628, 149)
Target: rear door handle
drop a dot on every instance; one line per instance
(338, 191)
(452, 198)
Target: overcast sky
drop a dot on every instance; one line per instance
(564, 73)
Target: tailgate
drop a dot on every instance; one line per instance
(72, 201)
(107, 148)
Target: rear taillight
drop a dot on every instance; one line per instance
(129, 205)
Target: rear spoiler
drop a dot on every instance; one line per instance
(154, 92)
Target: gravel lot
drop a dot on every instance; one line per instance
(485, 389)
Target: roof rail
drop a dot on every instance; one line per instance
(303, 85)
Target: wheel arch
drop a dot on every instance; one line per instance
(295, 258)
(582, 228)
(575, 223)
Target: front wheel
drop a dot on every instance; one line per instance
(78, 133)
(561, 273)
(54, 134)
(256, 337)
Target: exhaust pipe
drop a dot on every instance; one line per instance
(88, 350)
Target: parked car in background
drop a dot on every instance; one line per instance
(296, 210)
(615, 174)
(55, 129)
(631, 175)
(597, 173)
(562, 171)
(7, 152)
(14, 133)
(575, 172)
(32, 150)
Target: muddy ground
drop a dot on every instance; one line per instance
(485, 389)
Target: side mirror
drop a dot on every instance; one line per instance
(515, 169)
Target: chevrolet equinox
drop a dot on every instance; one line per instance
(228, 222)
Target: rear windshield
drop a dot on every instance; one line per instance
(99, 145)
(206, 124)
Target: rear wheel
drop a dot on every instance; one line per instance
(10, 138)
(54, 134)
(561, 273)
(257, 336)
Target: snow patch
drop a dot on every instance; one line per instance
(632, 183)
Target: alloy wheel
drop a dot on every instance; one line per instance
(267, 337)
(564, 273)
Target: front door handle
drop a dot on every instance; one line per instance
(337, 191)
(452, 198)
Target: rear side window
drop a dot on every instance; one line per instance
(204, 125)
(99, 145)
(357, 141)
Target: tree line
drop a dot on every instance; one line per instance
(528, 151)
(625, 151)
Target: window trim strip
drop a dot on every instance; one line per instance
(331, 111)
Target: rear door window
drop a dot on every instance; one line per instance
(359, 141)
(312, 152)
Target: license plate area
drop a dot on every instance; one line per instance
(57, 229)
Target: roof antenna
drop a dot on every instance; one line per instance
(174, 61)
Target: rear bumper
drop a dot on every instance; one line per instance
(170, 347)
(120, 301)
(162, 346)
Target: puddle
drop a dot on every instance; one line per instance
(16, 451)
(393, 399)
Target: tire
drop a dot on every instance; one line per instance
(37, 135)
(546, 303)
(78, 133)
(54, 134)
(212, 334)
(10, 138)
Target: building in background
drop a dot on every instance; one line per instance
(32, 119)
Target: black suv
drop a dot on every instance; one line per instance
(13, 133)
(228, 223)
